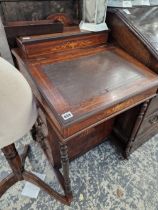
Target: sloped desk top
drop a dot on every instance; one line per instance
(92, 88)
(88, 90)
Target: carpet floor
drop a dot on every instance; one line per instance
(101, 180)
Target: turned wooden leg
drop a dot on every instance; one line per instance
(65, 167)
(136, 128)
(14, 160)
(25, 154)
(17, 165)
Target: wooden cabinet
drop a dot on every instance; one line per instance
(149, 126)
(137, 34)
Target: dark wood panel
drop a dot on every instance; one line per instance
(144, 137)
(78, 145)
(119, 82)
(28, 28)
(37, 10)
(124, 124)
(148, 122)
(153, 106)
(123, 34)
(137, 34)
(34, 46)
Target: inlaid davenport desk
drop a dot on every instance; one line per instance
(81, 84)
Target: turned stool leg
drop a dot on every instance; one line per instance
(14, 160)
(25, 154)
(15, 163)
(18, 173)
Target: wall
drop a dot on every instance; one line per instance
(4, 48)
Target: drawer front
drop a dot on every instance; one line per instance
(148, 122)
(153, 106)
(144, 137)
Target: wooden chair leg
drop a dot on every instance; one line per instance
(41, 184)
(25, 154)
(7, 182)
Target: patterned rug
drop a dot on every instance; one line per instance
(101, 180)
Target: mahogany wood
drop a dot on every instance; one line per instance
(28, 28)
(124, 31)
(89, 138)
(85, 141)
(91, 81)
(139, 28)
(136, 127)
(100, 106)
(102, 102)
(34, 46)
(61, 17)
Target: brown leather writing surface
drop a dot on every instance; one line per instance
(85, 78)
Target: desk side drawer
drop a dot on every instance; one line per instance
(153, 106)
(144, 137)
(149, 122)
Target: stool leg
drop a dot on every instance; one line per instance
(65, 167)
(14, 160)
(15, 163)
(7, 182)
(25, 154)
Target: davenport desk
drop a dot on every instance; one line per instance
(81, 84)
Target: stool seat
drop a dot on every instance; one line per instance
(17, 108)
